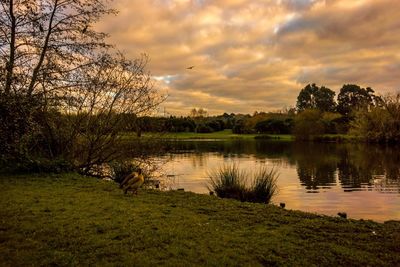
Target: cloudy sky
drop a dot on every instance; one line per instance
(253, 55)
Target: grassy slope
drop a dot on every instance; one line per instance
(74, 220)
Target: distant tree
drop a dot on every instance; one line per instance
(239, 127)
(198, 113)
(251, 122)
(174, 124)
(151, 124)
(202, 128)
(215, 124)
(353, 97)
(314, 97)
(331, 122)
(274, 126)
(228, 120)
(325, 100)
(290, 111)
(308, 124)
(381, 123)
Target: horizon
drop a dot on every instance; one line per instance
(243, 56)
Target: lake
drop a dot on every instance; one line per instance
(359, 179)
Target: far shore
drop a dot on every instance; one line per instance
(229, 135)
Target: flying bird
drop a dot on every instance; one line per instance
(132, 182)
(190, 68)
(85, 29)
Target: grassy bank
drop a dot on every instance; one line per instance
(74, 220)
(228, 135)
(224, 135)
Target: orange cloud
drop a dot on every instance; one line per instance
(257, 55)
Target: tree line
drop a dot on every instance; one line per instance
(259, 122)
(356, 111)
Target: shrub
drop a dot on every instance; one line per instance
(273, 126)
(229, 181)
(242, 126)
(380, 124)
(38, 165)
(17, 125)
(308, 124)
(216, 125)
(330, 119)
(123, 169)
(201, 128)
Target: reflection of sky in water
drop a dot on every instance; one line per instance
(376, 200)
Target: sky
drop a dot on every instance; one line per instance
(256, 55)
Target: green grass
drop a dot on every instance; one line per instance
(72, 220)
(223, 135)
(228, 135)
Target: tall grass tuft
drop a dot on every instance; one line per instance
(229, 181)
(264, 185)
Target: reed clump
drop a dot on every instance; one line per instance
(228, 181)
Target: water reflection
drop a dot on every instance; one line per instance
(315, 165)
(363, 180)
(357, 166)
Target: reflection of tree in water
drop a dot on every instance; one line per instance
(354, 169)
(370, 165)
(357, 165)
(260, 149)
(316, 165)
(391, 165)
(199, 159)
(317, 177)
(274, 150)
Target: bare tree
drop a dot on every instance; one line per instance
(42, 41)
(112, 88)
(198, 113)
(66, 79)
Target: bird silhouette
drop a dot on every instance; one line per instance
(132, 182)
(190, 68)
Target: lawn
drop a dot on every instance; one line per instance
(67, 219)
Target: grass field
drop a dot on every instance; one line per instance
(228, 135)
(225, 134)
(65, 220)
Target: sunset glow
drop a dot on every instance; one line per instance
(257, 55)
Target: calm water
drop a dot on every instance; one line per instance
(362, 180)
